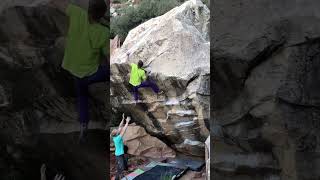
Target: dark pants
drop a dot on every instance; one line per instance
(145, 84)
(120, 167)
(125, 157)
(82, 86)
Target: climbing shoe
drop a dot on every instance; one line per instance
(83, 133)
(159, 94)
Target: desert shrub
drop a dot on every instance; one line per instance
(133, 16)
(206, 2)
(119, 1)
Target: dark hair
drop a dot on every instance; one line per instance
(97, 9)
(140, 64)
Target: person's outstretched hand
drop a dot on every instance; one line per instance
(128, 119)
(123, 116)
(59, 177)
(43, 172)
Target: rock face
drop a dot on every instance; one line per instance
(114, 45)
(37, 97)
(266, 61)
(140, 143)
(31, 52)
(175, 49)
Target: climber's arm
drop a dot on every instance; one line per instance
(125, 127)
(121, 123)
(144, 76)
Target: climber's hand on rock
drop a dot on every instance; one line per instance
(59, 177)
(148, 72)
(128, 55)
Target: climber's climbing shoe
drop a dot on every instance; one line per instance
(160, 93)
(82, 140)
(137, 102)
(83, 134)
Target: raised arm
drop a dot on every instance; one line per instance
(43, 172)
(123, 131)
(121, 123)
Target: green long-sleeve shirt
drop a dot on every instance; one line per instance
(137, 75)
(86, 43)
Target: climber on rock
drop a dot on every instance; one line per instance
(86, 51)
(117, 137)
(138, 79)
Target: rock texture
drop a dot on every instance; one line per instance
(114, 45)
(36, 96)
(265, 90)
(175, 50)
(31, 52)
(140, 143)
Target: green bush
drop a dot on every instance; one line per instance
(119, 1)
(133, 16)
(206, 2)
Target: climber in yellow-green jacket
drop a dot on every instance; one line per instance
(86, 50)
(138, 79)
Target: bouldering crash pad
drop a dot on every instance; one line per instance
(194, 165)
(161, 172)
(134, 174)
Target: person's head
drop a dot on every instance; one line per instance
(140, 64)
(96, 10)
(114, 133)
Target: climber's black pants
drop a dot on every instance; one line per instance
(82, 86)
(145, 84)
(120, 166)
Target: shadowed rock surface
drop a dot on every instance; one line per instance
(37, 97)
(175, 49)
(140, 143)
(266, 77)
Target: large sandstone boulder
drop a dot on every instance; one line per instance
(37, 97)
(140, 143)
(266, 90)
(175, 49)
